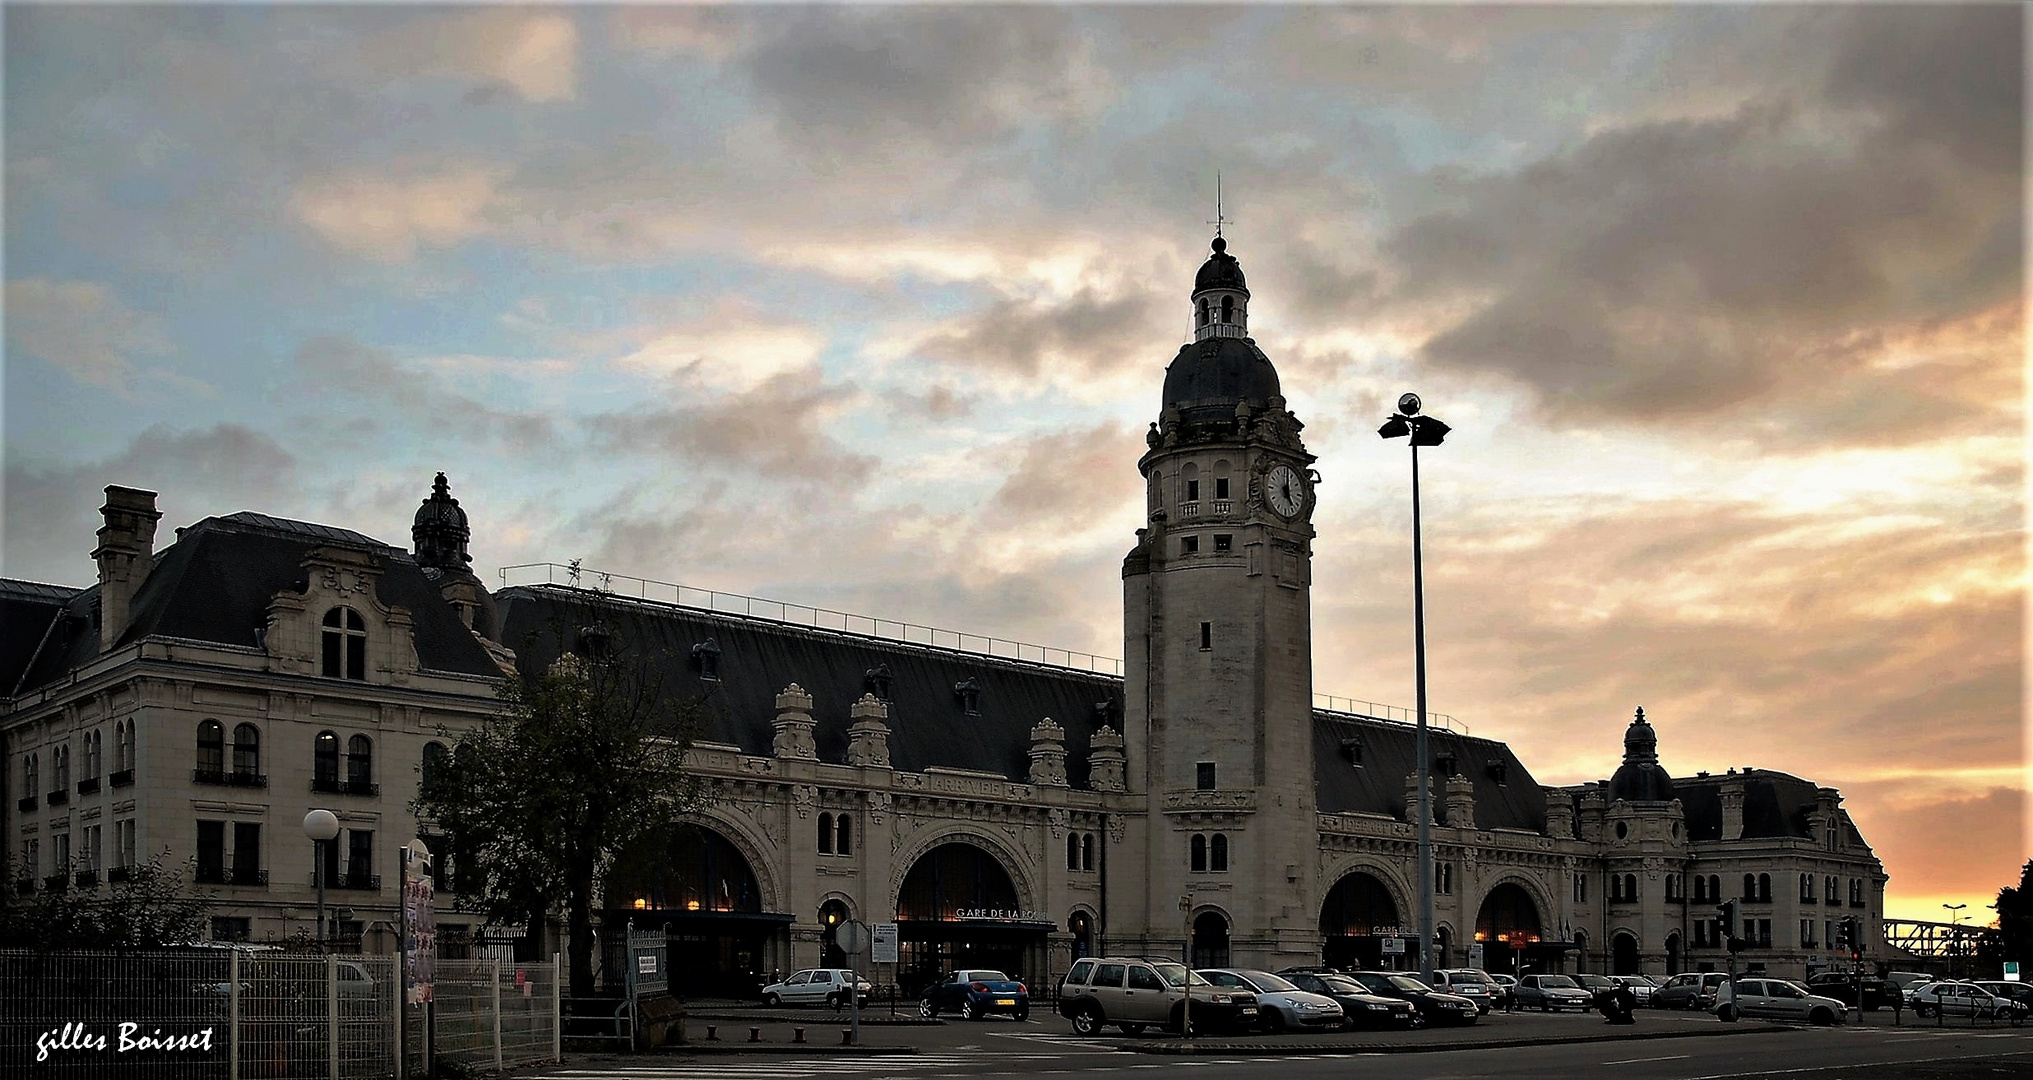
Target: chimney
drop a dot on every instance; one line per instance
(126, 542)
(1733, 807)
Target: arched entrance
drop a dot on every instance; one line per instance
(1210, 940)
(1623, 955)
(958, 907)
(1508, 926)
(1673, 954)
(1081, 926)
(699, 887)
(1443, 947)
(1356, 917)
(831, 914)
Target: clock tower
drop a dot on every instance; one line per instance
(1217, 647)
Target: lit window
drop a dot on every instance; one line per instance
(1224, 542)
(325, 762)
(212, 749)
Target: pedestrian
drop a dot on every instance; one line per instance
(1726, 1000)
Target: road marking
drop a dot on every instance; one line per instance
(1635, 1061)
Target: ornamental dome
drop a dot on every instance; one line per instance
(1209, 377)
(1220, 271)
(441, 533)
(1641, 778)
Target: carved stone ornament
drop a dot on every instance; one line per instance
(341, 581)
(1059, 819)
(878, 805)
(1115, 829)
(802, 797)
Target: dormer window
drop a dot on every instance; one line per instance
(1352, 750)
(876, 681)
(969, 693)
(706, 657)
(1500, 771)
(345, 645)
(1446, 765)
(596, 642)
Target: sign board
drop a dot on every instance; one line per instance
(2011, 971)
(419, 915)
(882, 946)
(645, 964)
(1394, 946)
(1475, 956)
(852, 937)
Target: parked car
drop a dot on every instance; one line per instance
(1281, 1006)
(1507, 989)
(1596, 985)
(1551, 993)
(1362, 1008)
(1470, 983)
(1843, 987)
(1435, 1007)
(2017, 991)
(1778, 999)
(1689, 990)
(1907, 982)
(1965, 999)
(1641, 986)
(975, 992)
(1135, 993)
(817, 986)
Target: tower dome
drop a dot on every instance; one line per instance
(441, 533)
(1221, 367)
(1641, 778)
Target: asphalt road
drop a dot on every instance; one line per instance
(1671, 1047)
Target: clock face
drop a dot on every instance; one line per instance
(1285, 490)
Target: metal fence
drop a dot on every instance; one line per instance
(229, 1014)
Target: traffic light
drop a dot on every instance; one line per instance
(1855, 926)
(1727, 919)
(1843, 940)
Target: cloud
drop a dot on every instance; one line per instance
(82, 329)
(529, 52)
(1080, 339)
(339, 364)
(1065, 481)
(52, 508)
(732, 347)
(775, 428)
(391, 217)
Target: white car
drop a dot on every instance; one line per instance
(1965, 999)
(1281, 1006)
(1641, 986)
(1778, 999)
(817, 986)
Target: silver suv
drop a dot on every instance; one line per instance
(1136, 992)
(1470, 983)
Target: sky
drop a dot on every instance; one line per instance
(868, 308)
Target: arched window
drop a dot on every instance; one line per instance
(1203, 312)
(825, 834)
(1228, 309)
(360, 765)
(1087, 851)
(1189, 480)
(93, 746)
(345, 644)
(843, 829)
(212, 749)
(1700, 888)
(61, 759)
(435, 759)
(1072, 851)
(1750, 886)
(1715, 887)
(1764, 888)
(1807, 888)
(1197, 853)
(31, 775)
(246, 750)
(123, 746)
(1217, 857)
(325, 762)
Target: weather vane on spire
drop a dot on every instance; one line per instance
(1219, 219)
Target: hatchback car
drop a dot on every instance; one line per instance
(975, 993)
(1507, 988)
(1434, 1006)
(1689, 990)
(817, 986)
(1876, 993)
(1470, 983)
(1965, 999)
(1552, 993)
(1778, 999)
(1134, 993)
(1281, 1006)
(1362, 1008)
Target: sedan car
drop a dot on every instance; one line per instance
(2017, 991)
(1876, 993)
(1507, 988)
(975, 992)
(1689, 990)
(1281, 1006)
(1434, 1006)
(817, 986)
(1470, 983)
(1552, 993)
(1641, 986)
(1362, 1008)
(1778, 999)
(1965, 999)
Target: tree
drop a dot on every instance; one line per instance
(151, 909)
(2012, 939)
(584, 758)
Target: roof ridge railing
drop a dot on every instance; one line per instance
(577, 576)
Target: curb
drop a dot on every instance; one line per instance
(830, 1020)
(1198, 1047)
(784, 1049)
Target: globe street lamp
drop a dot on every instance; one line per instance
(1424, 431)
(322, 826)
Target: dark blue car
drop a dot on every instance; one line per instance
(976, 993)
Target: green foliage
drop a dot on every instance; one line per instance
(151, 909)
(584, 759)
(2012, 939)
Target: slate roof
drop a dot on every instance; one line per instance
(759, 657)
(26, 610)
(214, 583)
(1776, 804)
(1207, 377)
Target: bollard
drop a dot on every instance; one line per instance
(712, 1033)
(847, 1036)
(755, 1034)
(797, 1034)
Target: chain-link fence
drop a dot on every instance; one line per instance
(229, 1014)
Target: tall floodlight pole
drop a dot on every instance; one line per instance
(1425, 431)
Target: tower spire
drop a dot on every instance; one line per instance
(1219, 218)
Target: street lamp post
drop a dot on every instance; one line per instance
(1424, 431)
(1954, 935)
(322, 826)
